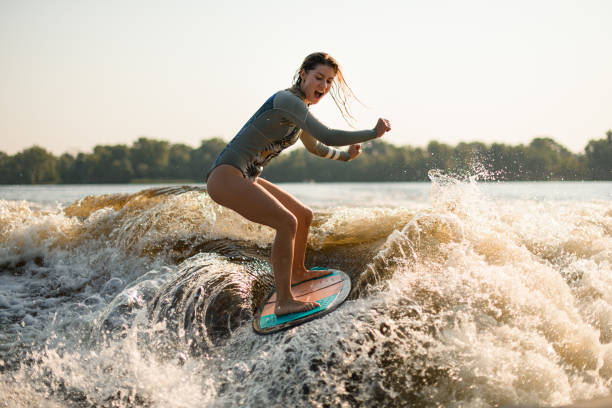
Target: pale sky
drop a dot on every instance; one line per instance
(78, 73)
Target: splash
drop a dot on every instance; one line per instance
(146, 300)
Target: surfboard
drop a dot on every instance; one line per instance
(330, 291)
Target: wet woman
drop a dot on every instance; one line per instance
(234, 181)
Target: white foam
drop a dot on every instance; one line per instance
(474, 301)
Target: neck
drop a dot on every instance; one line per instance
(297, 91)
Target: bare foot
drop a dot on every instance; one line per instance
(298, 276)
(293, 306)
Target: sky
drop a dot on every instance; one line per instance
(80, 73)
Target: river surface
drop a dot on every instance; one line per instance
(465, 294)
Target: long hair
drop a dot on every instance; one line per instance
(340, 92)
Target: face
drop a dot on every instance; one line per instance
(317, 82)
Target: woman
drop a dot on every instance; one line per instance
(234, 181)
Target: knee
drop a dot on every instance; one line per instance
(307, 217)
(288, 224)
(304, 217)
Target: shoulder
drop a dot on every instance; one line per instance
(287, 101)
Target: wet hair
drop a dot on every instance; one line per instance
(340, 92)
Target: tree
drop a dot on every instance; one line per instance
(149, 158)
(34, 166)
(202, 158)
(546, 159)
(470, 158)
(5, 168)
(83, 168)
(66, 168)
(599, 158)
(440, 156)
(111, 164)
(507, 161)
(179, 157)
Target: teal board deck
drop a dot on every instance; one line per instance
(330, 291)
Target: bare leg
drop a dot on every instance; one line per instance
(229, 188)
(304, 218)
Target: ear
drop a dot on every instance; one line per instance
(302, 74)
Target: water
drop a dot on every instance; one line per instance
(318, 195)
(334, 194)
(467, 294)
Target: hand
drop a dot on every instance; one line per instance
(382, 126)
(354, 150)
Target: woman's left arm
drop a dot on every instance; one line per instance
(321, 150)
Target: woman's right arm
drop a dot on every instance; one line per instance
(336, 137)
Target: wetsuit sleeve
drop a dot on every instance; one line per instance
(318, 148)
(297, 111)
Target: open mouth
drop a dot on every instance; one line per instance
(318, 94)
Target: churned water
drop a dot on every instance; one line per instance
(466, 294)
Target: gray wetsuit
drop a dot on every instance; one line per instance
(280, 121)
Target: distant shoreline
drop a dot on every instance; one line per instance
(158, 161)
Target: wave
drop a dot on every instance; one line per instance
(146, 299)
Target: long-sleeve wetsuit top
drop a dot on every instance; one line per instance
(277, 125)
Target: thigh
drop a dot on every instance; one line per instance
(227, 186)
(290, 202)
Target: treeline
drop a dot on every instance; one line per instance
(145, 160)
(150, 160)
